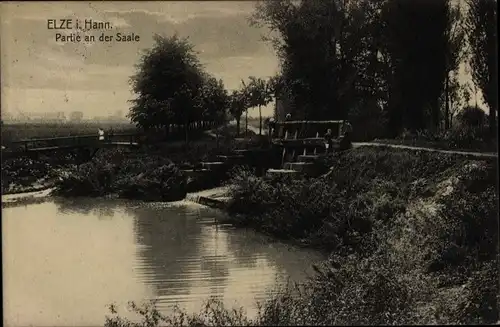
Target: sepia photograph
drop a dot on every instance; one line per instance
(249, 163)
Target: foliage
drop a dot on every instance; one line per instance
(364, 59)
(214, 314)
(172, 88)
(472, 117)
(214, 100)
(259, 94)
(237, 105)
(482, 39)
(416, 81)
(458, 96)
(167, 83)
(455, 54)
(320, 209)
(117, 173)
(320, 82)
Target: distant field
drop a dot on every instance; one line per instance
(17, 132)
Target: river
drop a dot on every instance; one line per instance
(64, 261)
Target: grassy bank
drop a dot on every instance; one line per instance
(24, 174)
(474, 139)
(413, 238)
(419, 227)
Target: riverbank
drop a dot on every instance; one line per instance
(60, 168)
(423, 222)
(412, 237)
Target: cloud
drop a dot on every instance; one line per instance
(180, 12)
(32, 59)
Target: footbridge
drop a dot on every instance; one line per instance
(90, 143)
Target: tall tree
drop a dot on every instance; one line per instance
(167, 85)
(259, 94)
(455, 54)
(237, 105)
(322, 82)
(214, 100)
(415, 41)
(482, 41)
(459, 96)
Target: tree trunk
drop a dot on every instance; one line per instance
(246, 123)
(238, 126)
(260, 121)
(447, 103)
(186, 130)
(492, 120)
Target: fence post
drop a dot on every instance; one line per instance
(26, 146)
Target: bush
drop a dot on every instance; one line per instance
(145, 177)
(213, 314)
(472, 117)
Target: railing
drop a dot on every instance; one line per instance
(305, 129)
(303, 137)
(71, 141)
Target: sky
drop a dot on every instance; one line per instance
(40, 74)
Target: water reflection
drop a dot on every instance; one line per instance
(101, 209)
(87, 253)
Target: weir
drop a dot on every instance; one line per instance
(301, 143)
(291, 147)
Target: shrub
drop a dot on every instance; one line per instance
(214, 313)
(472, 117)
(145, 177)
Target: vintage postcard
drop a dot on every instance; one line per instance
(249, 163)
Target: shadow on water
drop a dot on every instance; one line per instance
(187, 256)
(130, 250)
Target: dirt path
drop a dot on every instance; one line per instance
(398, 146)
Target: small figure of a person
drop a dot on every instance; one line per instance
(329, 140)
(346, 128)
(101, 134)
(288, 118)
(111, 132)
(271, 125)
(346, 134)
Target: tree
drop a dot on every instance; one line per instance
(459, 96)
(455, 37)
(246, 94)
(415, 37)
(237, 105)
(167, 84)
(259, 94)
(322, 82)
(481, 25)
(214, 100)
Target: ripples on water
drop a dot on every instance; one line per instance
(64, 261)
